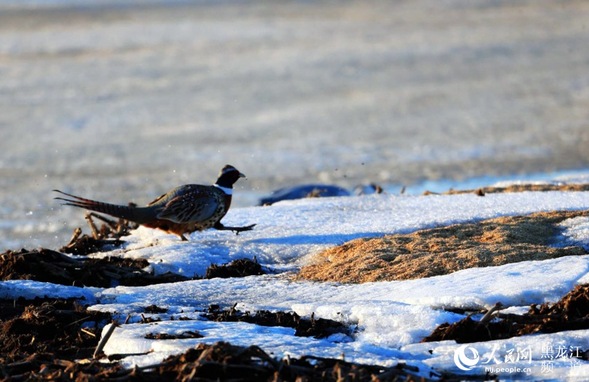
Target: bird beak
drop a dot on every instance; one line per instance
(241, 175)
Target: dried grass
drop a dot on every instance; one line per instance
(443, 250)
(520, 188)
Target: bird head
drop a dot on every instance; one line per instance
(228, 176)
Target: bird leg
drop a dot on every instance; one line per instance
(237, 230)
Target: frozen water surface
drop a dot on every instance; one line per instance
(122, 101)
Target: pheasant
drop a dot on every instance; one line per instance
(184, 209)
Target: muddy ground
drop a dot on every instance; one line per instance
(57, 339)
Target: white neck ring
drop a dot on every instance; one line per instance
(226, 191)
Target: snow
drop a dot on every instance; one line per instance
(288, 231)
(390, 318)
(575, 232)
(29, 289)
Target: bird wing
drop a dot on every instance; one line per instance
(192, 204)
(158, 199)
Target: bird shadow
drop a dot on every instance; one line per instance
(334, 239)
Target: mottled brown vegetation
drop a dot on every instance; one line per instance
(570, 313)
(236, 268)
(62, 327)
(520, 188)
(53, 340)
(443, 250)
(54, 267)
(304, 327)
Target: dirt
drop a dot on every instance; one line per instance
(54, 267)
(443, 250)
(570, 313)
(55, 340)
(236, 268)
(167, 336)
(304, 327)
(54, 328)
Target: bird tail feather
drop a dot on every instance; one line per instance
(137, 215)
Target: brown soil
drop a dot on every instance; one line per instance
(443, 250)
(54, 267)
(570, 313)
(59, 327)
(304, 327)
(236, 268)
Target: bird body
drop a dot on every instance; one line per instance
(184, 209)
